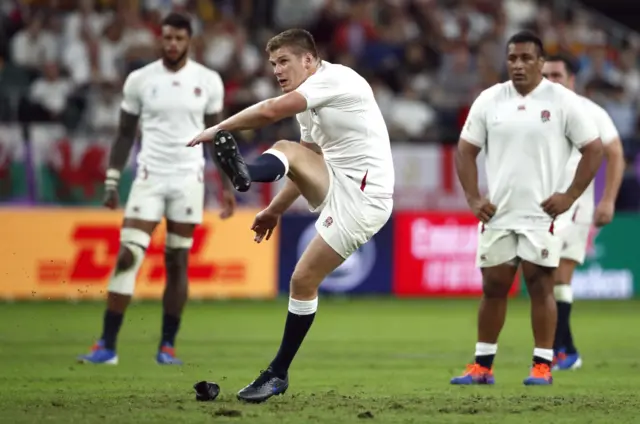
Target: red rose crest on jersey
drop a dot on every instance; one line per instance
(197, 91)
(545, 115)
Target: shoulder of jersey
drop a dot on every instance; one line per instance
(494, 90)
(204, 69)
(146, 70)
(591, 104)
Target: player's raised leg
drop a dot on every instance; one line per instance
(497, 259)
(566, 354)
(135, 237)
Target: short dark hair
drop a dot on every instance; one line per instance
(527, 37)
(569, 63)
(179, 21)
(299, 40)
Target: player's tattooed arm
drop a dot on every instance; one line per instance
(123, 143)
(120, 150)
(210, 121)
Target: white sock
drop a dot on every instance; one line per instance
(484, 349)
(563, 293)
(303, 307)
(546, 354)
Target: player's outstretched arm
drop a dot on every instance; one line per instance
(118, 156)
(257, 116)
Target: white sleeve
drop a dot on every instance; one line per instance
(305, 127)
(475, 127)
(579, 126)
(606, 127)
(318, 90)
(131, 94)
(216, 96)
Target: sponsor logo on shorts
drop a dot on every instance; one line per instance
(544, 253)
(483, 257)
(189, 211)
(327, 222)
(197, 91)
(353, 271)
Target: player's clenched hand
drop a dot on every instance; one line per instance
(228, 204)
(604, 213)
(111, 198)
(264, 224)
(205, 136)
(557, 204)
(483, 209)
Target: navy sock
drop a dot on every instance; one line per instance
(485, 360)
(570, 348)
(110, 328)
(268, 168)
(170, 326)
(295, 330)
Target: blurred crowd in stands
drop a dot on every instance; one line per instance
(426, 59)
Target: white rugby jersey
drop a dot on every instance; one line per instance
(343, 118)
(171, 106)
(528, 141)
(582, 210)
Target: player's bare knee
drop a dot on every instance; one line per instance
(495, 288)
(176, 255)
(283, 145)
(304, 285)
(539, 282)
(125, 259)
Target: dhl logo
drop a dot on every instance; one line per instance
(97, 249)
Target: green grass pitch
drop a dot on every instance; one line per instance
(365, 360)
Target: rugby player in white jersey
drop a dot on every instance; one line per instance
(574, 225)
(174, 99)
(343, 167)
(527, 127)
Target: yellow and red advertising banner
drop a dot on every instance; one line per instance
(70, 254)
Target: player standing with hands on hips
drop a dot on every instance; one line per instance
(527, 127)
(343, 167)
(174, 99)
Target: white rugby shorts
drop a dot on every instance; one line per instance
(178, 197)
(574, 238)
(348, 217)
(497, 247)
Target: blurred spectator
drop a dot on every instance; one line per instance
(49, 94)
(104, 113)
(111, 52)
(84, 18)
(80, 58)
(32, 46)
